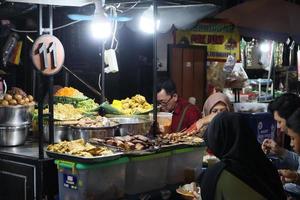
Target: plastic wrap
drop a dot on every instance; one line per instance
(237, 78)
(8, 47)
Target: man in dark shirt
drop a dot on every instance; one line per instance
(184, 113)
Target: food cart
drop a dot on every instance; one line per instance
(29, 167)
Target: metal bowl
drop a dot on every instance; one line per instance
(61, 133)
(18, 115)
(88, 132)
(13, 135)
(133, 125)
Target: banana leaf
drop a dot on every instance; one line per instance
(109, 109)
(143, 113)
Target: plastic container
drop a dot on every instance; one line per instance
(105, 180)
(146, 173)
(250, 107)
(164, 120)
(185, 165)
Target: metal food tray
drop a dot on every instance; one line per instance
(134, 152)
(80, 159)
(95, 128)
(194, 144)
(169, 147)
(129, 153)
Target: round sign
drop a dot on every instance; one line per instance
(48, 54)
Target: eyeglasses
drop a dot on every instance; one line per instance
(163, 103)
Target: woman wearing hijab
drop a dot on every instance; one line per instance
(214, 104)
(244, 172)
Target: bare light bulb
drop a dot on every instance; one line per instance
(265, 47)
(101, 29)
(147, 21)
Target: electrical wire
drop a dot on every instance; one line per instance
(66, 25)
(114, 39)
(54, 29)
(22, 31)
(134, 5)
(113, 14)
(99, 82)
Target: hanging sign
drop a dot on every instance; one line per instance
(48, 54)
(221, 40)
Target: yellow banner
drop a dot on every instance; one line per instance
(219, 44)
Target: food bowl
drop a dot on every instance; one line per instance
(187, 190)
(92, 132)
(61, 133)
(133, 125)
(18, 115)
(13, 135)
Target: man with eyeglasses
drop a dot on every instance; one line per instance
(184, 113)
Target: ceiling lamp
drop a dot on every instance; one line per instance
(147, 21)
(101, 27)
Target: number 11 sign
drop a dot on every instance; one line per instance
(48, 54)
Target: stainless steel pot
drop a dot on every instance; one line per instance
(16, 115)
(13, 135)
(133, 125)
(88, 132)
(61, 133)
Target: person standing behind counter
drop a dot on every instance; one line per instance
(184, 113)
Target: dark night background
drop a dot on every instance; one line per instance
(134, 54)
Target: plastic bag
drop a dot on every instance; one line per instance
(215, 75)
(229, 64)
(237, 78)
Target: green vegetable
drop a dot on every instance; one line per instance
(88, 105)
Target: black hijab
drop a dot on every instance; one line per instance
(229, 138)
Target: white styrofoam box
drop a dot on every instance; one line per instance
(250, 107)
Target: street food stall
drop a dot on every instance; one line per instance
(85, 147)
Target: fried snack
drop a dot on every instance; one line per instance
(134, 105)
(95, 122)
(139, 146)
(181, 137)
(131, 143)
(79, 148)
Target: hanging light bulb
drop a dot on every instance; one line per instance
(147, 21)
(101, 27)
(265, 47)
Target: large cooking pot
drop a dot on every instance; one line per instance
(91, 132)
(18, 115)
(133, 125)
(61, 133)
(13, 135)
